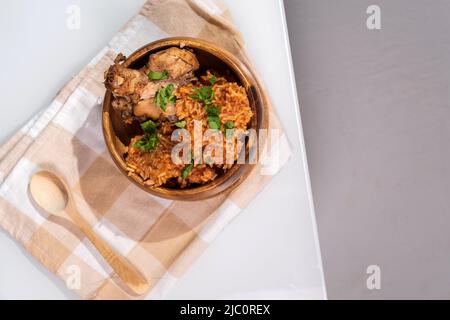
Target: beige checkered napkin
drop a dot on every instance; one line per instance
(161, 237)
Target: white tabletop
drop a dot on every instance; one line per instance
(268, 251)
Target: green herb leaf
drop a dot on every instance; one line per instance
(203, 94)
(159, 100)
(180, 124)
(169, 89)
(206, 95)
(149, 126)
(213, 80)
(164, 96)
(187, 170)
(213, 125)
(213, 122)
(212, 111)
(213, 117)
(229, 125)
(155, 75)
(152, 142)
(150, 139)
(148, 142)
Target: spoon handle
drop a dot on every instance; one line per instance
(123, 268)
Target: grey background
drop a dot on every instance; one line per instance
(375, 110)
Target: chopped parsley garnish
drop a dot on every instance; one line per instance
(203, 94)
(150, 139)
(213, 80)
(187, 170)
(180, 124)
(212, 111)
(213, 117)
(149, 126)
(155, 75)
(164, 96)
(213, 122)
(206, 95)
(229, 125)
(147, 143)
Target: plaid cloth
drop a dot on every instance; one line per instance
(161, 237)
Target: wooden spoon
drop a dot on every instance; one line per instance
(52, 195)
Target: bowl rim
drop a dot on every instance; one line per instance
(222, 184)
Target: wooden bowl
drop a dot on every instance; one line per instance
(118, 135)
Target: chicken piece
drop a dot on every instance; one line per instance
(147, 109)
(125, 107)
(170, 113)
(177, 62)
(122, 104)
(125, 82)
(149, 91)
(134, 93)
